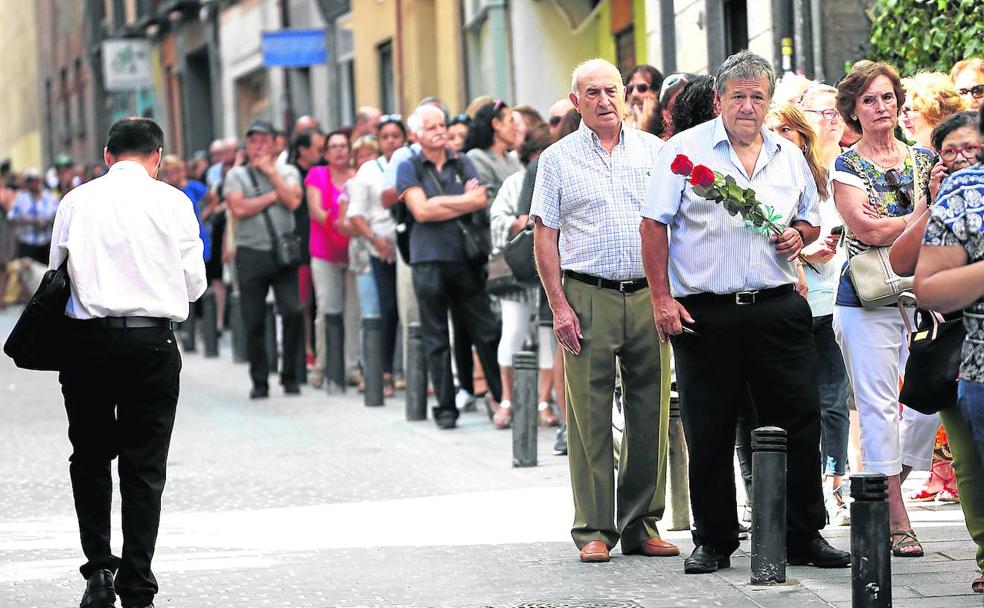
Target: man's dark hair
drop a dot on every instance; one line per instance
(134, 136)
(951, 124)
(654, 75)
(695, 104)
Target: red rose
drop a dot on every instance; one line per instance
(701, 176)
(681, 165)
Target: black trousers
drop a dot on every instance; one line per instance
(121, 391)
(385, 275)
(460, 288)
(257, 272)
(768, 347)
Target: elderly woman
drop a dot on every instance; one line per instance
(968, 79)
(930, 98)
(880, 185)
(949, 277)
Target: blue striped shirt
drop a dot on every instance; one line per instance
(711, 251)
(593, 198)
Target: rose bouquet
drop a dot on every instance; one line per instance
(725, 191)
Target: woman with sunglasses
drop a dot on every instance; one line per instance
(641, 93)
(880, 185)
(968, 79)
(949, 278)
(458, 132)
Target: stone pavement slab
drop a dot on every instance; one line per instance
(317, 502)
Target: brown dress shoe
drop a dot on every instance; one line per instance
(655, 547)
(595, 551)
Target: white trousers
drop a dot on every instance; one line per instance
(515, 322)
(875, 350)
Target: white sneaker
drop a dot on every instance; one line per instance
(464, 401)
(841, 516)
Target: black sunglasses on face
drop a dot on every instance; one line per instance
(976, 91)
(555, 120)
(894, 180)
(642, 87)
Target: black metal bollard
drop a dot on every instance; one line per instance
(678, 462)
(415, 371)
(871, 543)
(239, 352)
(769, 498)
(335, 353)
(210, 329)
(372, 360)
(188, 330)
(524, 408)
(271, 339)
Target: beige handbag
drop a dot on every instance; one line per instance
(875, 282)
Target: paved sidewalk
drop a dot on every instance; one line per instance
(316, 502)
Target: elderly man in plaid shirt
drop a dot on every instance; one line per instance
(589, 189)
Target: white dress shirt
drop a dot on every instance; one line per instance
(711, 251)
(132, 245)
(365, 192)
(593, 198)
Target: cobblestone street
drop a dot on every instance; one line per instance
(319, 502)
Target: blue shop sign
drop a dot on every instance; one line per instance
(294, 48)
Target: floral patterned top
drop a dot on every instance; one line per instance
(958, 220)
(853, 169)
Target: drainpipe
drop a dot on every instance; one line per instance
(499, 37)
(398, 51)
(816, 25)
(799, 36)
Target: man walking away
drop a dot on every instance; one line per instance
(135, 262)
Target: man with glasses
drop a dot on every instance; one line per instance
(32, 214)
(968, 79)
(557, 112)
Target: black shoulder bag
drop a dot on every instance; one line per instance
(476, 239)
(286, 245)
(37, 340)
(518, 252)
(935, 345)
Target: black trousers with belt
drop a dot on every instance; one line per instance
(121, 392)
(768, 347)
(257, 272)
(460, 288)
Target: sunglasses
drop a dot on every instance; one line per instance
(460, 119)
(976, 91)
(828, 114)
(390, 118)
(895, 181)
(642, 87)
(555, 120)
(967, 152)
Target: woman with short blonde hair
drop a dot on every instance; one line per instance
(931, 99)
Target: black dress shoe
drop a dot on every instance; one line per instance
(445, 419)
(292, 389)
(259, 392)
(99, 591)
(705, 560)
(816, 551)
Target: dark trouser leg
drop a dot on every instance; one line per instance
(709, 412)
(432, 298)
(463, 354)
(385, 275)
(253, 271)
(834, 420)
(645, 407)
(90, 404)
(286, 294)
(471, 304)
(146, 410)
(747, 422)
(781, 366)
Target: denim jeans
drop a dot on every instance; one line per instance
(834, 419)
(365, 284)
(970, 396)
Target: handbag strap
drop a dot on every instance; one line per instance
(266, 210)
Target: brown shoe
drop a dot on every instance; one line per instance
(655, 547)
(595, 551)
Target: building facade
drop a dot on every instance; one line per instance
(20, 120)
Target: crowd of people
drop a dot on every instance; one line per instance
(399, 218)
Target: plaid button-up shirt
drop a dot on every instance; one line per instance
(593, 198)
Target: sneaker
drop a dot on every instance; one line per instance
(464, 401)
(560, 445)
(841, 516)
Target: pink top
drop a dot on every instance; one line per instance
(326, 242)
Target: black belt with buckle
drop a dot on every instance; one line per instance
(132, 322)
(630, 286)
(740, 298)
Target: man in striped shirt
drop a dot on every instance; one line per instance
(725, 295)
(589, 189)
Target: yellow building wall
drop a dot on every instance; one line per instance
(429, 48)
(639, 33)
(20, 109)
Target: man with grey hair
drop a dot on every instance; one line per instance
(586, 199)
(448, 256)
(724, 295)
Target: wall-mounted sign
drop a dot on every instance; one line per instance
(294, 48)
(126, 65)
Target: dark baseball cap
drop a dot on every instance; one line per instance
(260, 126)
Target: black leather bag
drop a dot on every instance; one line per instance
(931, 372)
(518, 254)
(37, 340)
